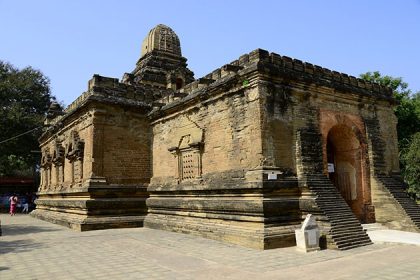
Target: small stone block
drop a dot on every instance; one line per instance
(307, 237)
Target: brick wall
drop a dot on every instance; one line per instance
(125, 147)
(68, 172)
(231, 135)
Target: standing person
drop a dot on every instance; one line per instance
(25, 203)
(25, 207)
(13, 201)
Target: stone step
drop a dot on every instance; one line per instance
(412, 209)
(343, 223)
(335, 207)
(342, 213)
(413, 214)
(409, 205)
(346, 231)
(327, 202)
(343, 209)
(350, 239)
(338, 205)
(344, 248)
(402, 195)
(328, 198)
(357, 232)
(398, 192)
(340, 231)
(341, 216)
(338, 211)
(345, 227)
(415, 219)
(353, 245)
(332, 201)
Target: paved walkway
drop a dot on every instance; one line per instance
(33, 249)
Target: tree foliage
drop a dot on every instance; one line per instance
(24, 99)
(408, 110)
(408, 128)
(410, 156)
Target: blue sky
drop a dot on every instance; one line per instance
(69, 41)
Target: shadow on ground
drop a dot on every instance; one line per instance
(18, 246)
(15, 230)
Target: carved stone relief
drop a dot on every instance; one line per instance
(46, 161)
(74, 153)
(187, 148)
(58, 164)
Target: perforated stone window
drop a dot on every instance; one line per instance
(187, 145)
(189, 160)
(189, 167)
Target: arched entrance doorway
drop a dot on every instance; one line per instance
(347, 170)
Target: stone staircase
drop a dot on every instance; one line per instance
(346, 231)
(397, 189)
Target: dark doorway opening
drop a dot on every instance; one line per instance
(345, 167)
(179, 83)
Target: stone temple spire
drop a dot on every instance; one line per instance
(161, 63)
(161, 38)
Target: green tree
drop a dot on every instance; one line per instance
(408, 110)
(24, 100)
(408, 128)
(410, 156)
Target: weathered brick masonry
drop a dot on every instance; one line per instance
(240, 155)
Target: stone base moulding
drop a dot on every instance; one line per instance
(94, 207)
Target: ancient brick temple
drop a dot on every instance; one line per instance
(240, 155)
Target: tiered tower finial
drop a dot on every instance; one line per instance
(161, 38)
(161, 63)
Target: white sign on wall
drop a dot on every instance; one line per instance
(331, 167)
(272, 175)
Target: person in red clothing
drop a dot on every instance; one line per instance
(13, 202)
